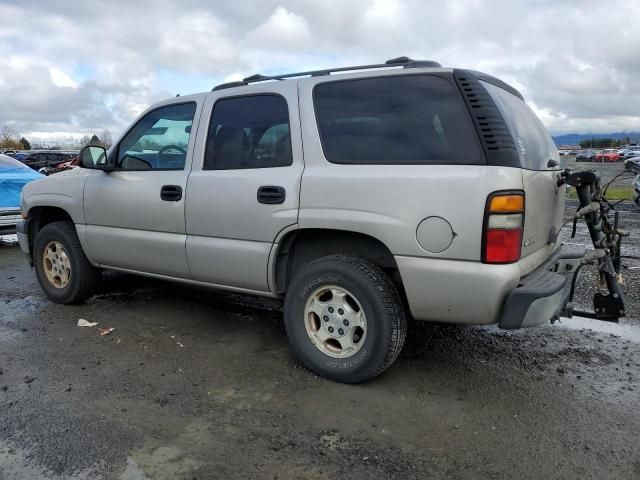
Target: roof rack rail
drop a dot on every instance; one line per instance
(404, 62)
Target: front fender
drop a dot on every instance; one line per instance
(64, 190)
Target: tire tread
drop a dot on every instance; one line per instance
(88, 276)
(393, 308)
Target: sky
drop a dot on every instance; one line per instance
(71, 68)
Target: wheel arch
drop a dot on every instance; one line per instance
(40, 216)
(301, 246)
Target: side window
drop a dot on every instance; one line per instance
(159, 140)
(400, 119)
(535, 145)
(249, 132)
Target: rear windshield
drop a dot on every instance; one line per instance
(408, 119)
(535, 145)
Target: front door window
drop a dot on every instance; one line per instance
(159, 141)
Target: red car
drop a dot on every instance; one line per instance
(607, 156)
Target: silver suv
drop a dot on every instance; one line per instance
(358, 195)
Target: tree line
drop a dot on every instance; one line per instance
(604, 142)
(11, 140)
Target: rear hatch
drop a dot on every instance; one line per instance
(540, 164)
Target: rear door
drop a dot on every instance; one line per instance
(540, 161)
(245, 183)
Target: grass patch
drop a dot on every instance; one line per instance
(613, 193)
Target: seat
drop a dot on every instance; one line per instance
(229, 150)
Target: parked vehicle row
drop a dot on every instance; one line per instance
(607, 155)
(47, 161)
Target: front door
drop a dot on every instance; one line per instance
(135, 214)
(245, 182)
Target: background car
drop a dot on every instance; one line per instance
(48, 158)
(21, 155)
(607, 156)
(633, 165)
(73, 163)
(13, 176)
(631, 153)
(586, 156)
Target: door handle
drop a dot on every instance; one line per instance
(271, 195)
(171, 193)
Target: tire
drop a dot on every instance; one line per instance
(371, 300)
(68, 285)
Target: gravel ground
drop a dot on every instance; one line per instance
(195, 384)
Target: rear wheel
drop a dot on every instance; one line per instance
(344, 318)
(62, 269)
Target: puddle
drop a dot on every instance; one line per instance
(623, 330)
(15, 465)
(14, 309)
(133, 471)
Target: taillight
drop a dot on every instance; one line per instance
(502, 235)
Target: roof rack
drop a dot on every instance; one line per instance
(404, 62)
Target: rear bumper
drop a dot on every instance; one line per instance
(543, 294)
(475, 293)
(460, 292)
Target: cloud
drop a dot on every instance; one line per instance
(281, 28)
(83, 67)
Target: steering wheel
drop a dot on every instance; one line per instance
(166, 148)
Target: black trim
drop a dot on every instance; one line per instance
(485, 222)
(404, 62)
(538, 285)
(171, 193)
(493, 132)
(271, 195)
(497, 82)
(22, 227)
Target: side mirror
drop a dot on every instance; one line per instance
(94, 157)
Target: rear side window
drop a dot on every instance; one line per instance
(534, 144)
(408, 119)
(249, 132)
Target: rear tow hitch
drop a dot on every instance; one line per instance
(607, 240)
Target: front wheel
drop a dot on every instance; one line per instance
(344, 318)
(63, 271)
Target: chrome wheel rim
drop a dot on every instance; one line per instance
(335, 321)
(56, 265)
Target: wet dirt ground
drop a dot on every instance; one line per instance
(195, 384)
